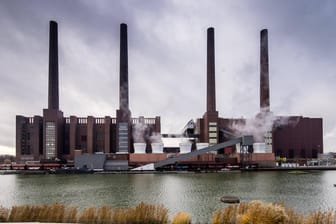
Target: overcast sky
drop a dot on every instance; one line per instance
(167, 59)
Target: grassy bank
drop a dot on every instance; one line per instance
(255, 212)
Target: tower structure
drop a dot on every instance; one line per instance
(210, 118)
(52, 116)
(124, 125)
(264, 73)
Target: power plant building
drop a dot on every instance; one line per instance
(54, 136)
(285, 136)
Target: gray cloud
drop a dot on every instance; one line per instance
(167, 58)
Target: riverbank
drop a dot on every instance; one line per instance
(305, 168)
(85, 171)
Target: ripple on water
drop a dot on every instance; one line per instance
(198, 194)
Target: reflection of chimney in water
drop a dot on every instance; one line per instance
(211, 85)
(264, 73)
(53, 67)
(123, 86)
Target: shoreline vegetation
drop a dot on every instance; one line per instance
(254, 212)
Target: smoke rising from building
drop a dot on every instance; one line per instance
(261, 124)
(155, 138)
(140, 132)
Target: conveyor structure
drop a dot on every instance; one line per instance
(245, 141)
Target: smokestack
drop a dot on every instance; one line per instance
(264, 75)
(53, 67)
(123, 87)
(211, 85)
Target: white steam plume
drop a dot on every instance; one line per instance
(262, 123)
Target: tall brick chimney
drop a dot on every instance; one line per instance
(53, 120)
(211, 85)
(209, 132)
(123, 86)
(53, 68)
(264, 73)
(124, 124)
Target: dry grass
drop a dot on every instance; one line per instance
(104, 214)
(294, 217)
(142, 213)
(147, 213)
(38, 213)
(327, 217)
(255, 212)
(181, 218)
(88, 215)
(4, 212)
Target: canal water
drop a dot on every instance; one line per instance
(196, 193)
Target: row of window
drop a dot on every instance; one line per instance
(50, 140)
(123, 137)
(212, 133)
(113, 120)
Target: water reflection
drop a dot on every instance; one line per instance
(197, 194)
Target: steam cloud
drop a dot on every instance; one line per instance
(140, 132)
(156, 138)
(262, 123)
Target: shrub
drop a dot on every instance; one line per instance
(181, 218)
(147, 213)
(88, 215)
(327, 217)
(255, 212)
(104, 214)
(4, 212)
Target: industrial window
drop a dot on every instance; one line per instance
(123, 137)
(212, 128)
(213, 135)
(83, 138)
(50, 140)
(212, 140)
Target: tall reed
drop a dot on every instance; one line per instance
(37, 213)
(326, 217)
(4, 213)
(254, 212)
(147, 213)
(181, 218)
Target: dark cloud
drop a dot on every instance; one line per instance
(167, 58)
